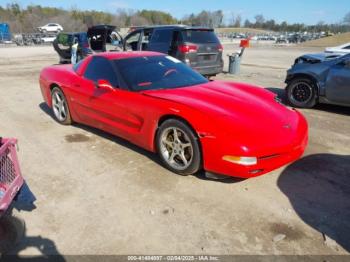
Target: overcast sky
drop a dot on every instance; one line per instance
(300, 11)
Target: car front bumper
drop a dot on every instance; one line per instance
(266, 162)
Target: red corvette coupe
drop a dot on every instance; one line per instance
(162, 105)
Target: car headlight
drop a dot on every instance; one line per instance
(241, 160)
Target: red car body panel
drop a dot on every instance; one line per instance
(229, 118)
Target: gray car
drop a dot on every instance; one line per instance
(319, 78)
(197, 47)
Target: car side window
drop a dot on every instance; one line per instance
(161, 41)
(132, 41)
(147, 34)
(163, 36)
(100, 68)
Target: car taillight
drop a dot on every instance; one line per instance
(220, 48)
(188, 48)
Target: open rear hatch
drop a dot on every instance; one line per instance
(100, 35)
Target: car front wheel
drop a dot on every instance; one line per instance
(302, 93)
(60, 107)
(178, 147)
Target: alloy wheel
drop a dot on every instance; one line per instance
(176, 148)
(301, 92)
(59, 106)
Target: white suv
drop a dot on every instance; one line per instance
(51, 27)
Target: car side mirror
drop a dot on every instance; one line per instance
(104, 85)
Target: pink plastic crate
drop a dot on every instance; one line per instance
(11, 179)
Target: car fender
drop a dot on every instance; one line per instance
(318, 76)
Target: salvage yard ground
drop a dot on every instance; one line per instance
(98, 194)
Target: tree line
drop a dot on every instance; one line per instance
(27, 19)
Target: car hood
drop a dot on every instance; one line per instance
(242, 111)
(227, 99)
(319, 57)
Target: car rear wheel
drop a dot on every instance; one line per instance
(60, 107)
(301, 92)
(178, 147)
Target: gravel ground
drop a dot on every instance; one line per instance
(98, 194)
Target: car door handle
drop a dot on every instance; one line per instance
(76, 85)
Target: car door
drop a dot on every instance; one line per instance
(338, 82)
(132, 41)
(161, 40)
(145, 38)
(102, 108)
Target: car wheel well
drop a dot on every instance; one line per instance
(311, 78)
(167, 117)
(52, 86)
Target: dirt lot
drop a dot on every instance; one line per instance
(98, 194)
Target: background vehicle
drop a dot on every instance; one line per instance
(104, 38)
(282, 40)
(48, 38)
(5, 34)
(339, 49)
(160, 104)
(63, 42)
(197, 47)
(319, 78)
(51, 27)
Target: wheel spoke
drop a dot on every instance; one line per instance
(168, 143)
(58, 98)
(185, 145)
(183, 158)
(171, 158)
(176, 137)
(60, 111)
(63, 110)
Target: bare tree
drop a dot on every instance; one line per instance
(238, 21)
(232, 19)
(259, 20)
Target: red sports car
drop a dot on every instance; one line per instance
(162, 105)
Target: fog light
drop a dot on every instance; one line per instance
(241, 160)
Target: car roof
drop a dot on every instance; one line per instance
(72, 33)
(127, 54)
(185, 27)
(111, 27)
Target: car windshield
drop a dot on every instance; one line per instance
(157, 72)
(199, 36)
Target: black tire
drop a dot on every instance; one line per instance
(302, 93)
(65, 118)
(184, 132)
